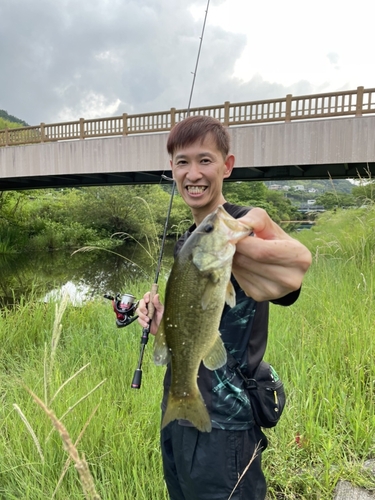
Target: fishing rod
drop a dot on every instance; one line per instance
(137, 379)
(124, 306)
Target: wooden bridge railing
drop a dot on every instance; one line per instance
(346, 103)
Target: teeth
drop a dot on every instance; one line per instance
(196, 189)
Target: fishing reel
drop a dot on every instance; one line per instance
(124, 307)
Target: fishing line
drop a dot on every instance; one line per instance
(137, 379)
(187, 114)
(198, 56)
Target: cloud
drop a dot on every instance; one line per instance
(333, 58)
(65, 60)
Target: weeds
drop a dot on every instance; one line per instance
(323, 347)
(80, 462)
(86, 478)
(120, 440)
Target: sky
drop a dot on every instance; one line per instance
(67, 59)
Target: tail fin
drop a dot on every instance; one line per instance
(191, 408)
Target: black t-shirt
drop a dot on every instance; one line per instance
(244, 331)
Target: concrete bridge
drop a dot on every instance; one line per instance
(303, 137)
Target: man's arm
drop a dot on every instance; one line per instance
(271, 264)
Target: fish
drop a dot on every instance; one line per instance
(196, 291)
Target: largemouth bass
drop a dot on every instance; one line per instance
(196, 292)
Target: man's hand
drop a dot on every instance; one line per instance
(142, 312)
(270, 264)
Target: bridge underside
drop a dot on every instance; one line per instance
(287, 172)
(311, 149)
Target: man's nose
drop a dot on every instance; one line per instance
(194, 172)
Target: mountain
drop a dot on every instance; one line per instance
(318, 186)
(12, 119)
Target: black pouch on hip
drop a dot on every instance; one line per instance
(267, 395)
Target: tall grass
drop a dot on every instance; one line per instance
(121, 440)
(323, 347)
(10, 239)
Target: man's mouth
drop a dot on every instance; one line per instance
(196, 189)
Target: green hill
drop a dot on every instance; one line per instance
(7, 119)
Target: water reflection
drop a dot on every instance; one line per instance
(83, 275)
(77, 294)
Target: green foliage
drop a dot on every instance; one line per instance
(12, 204)
(11, 241)
(121, 439)
(56, 235)
(332, 199)
(49, 218)
(345, 235)
(365, 193)
(180, 219)
(11, 120)
(256, 194)
(281, 205)
(8, 124)
(320, 185)
(70, 218)
(323, 348)
(242, 193)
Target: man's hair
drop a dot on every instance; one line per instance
(195, 128)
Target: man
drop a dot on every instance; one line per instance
(268, 266)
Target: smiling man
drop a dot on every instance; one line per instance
(268, 266)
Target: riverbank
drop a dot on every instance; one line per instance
(323, 348)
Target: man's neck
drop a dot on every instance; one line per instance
(200, 213)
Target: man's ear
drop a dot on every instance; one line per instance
(229, 165)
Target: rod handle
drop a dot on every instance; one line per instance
(151, 307)
(137, 379)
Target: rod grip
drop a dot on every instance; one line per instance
(151, 307)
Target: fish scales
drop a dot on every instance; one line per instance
(197, 289)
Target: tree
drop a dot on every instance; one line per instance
(256, 194)
(330, 200)
(282, 205)
(364, 193)
(245, 193)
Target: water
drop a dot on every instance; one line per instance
(83, 275)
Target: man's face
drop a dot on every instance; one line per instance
(199, 170)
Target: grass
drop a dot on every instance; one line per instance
(120, 443)
(323, 348)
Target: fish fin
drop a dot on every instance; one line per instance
(217, 356)
(207, 294)
(230, 295)
(190, 407)
(162, 355)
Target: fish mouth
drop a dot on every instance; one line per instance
(195, 190)
(234, 228)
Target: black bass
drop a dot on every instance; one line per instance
(196, 292)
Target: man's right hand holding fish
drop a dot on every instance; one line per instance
(272, 264)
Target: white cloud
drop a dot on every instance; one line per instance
(100, 57)
(91, 106)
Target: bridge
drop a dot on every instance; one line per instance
(318, 136)
(311, 208)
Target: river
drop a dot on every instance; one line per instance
(83, 275)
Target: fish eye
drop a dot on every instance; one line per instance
(208, 227)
